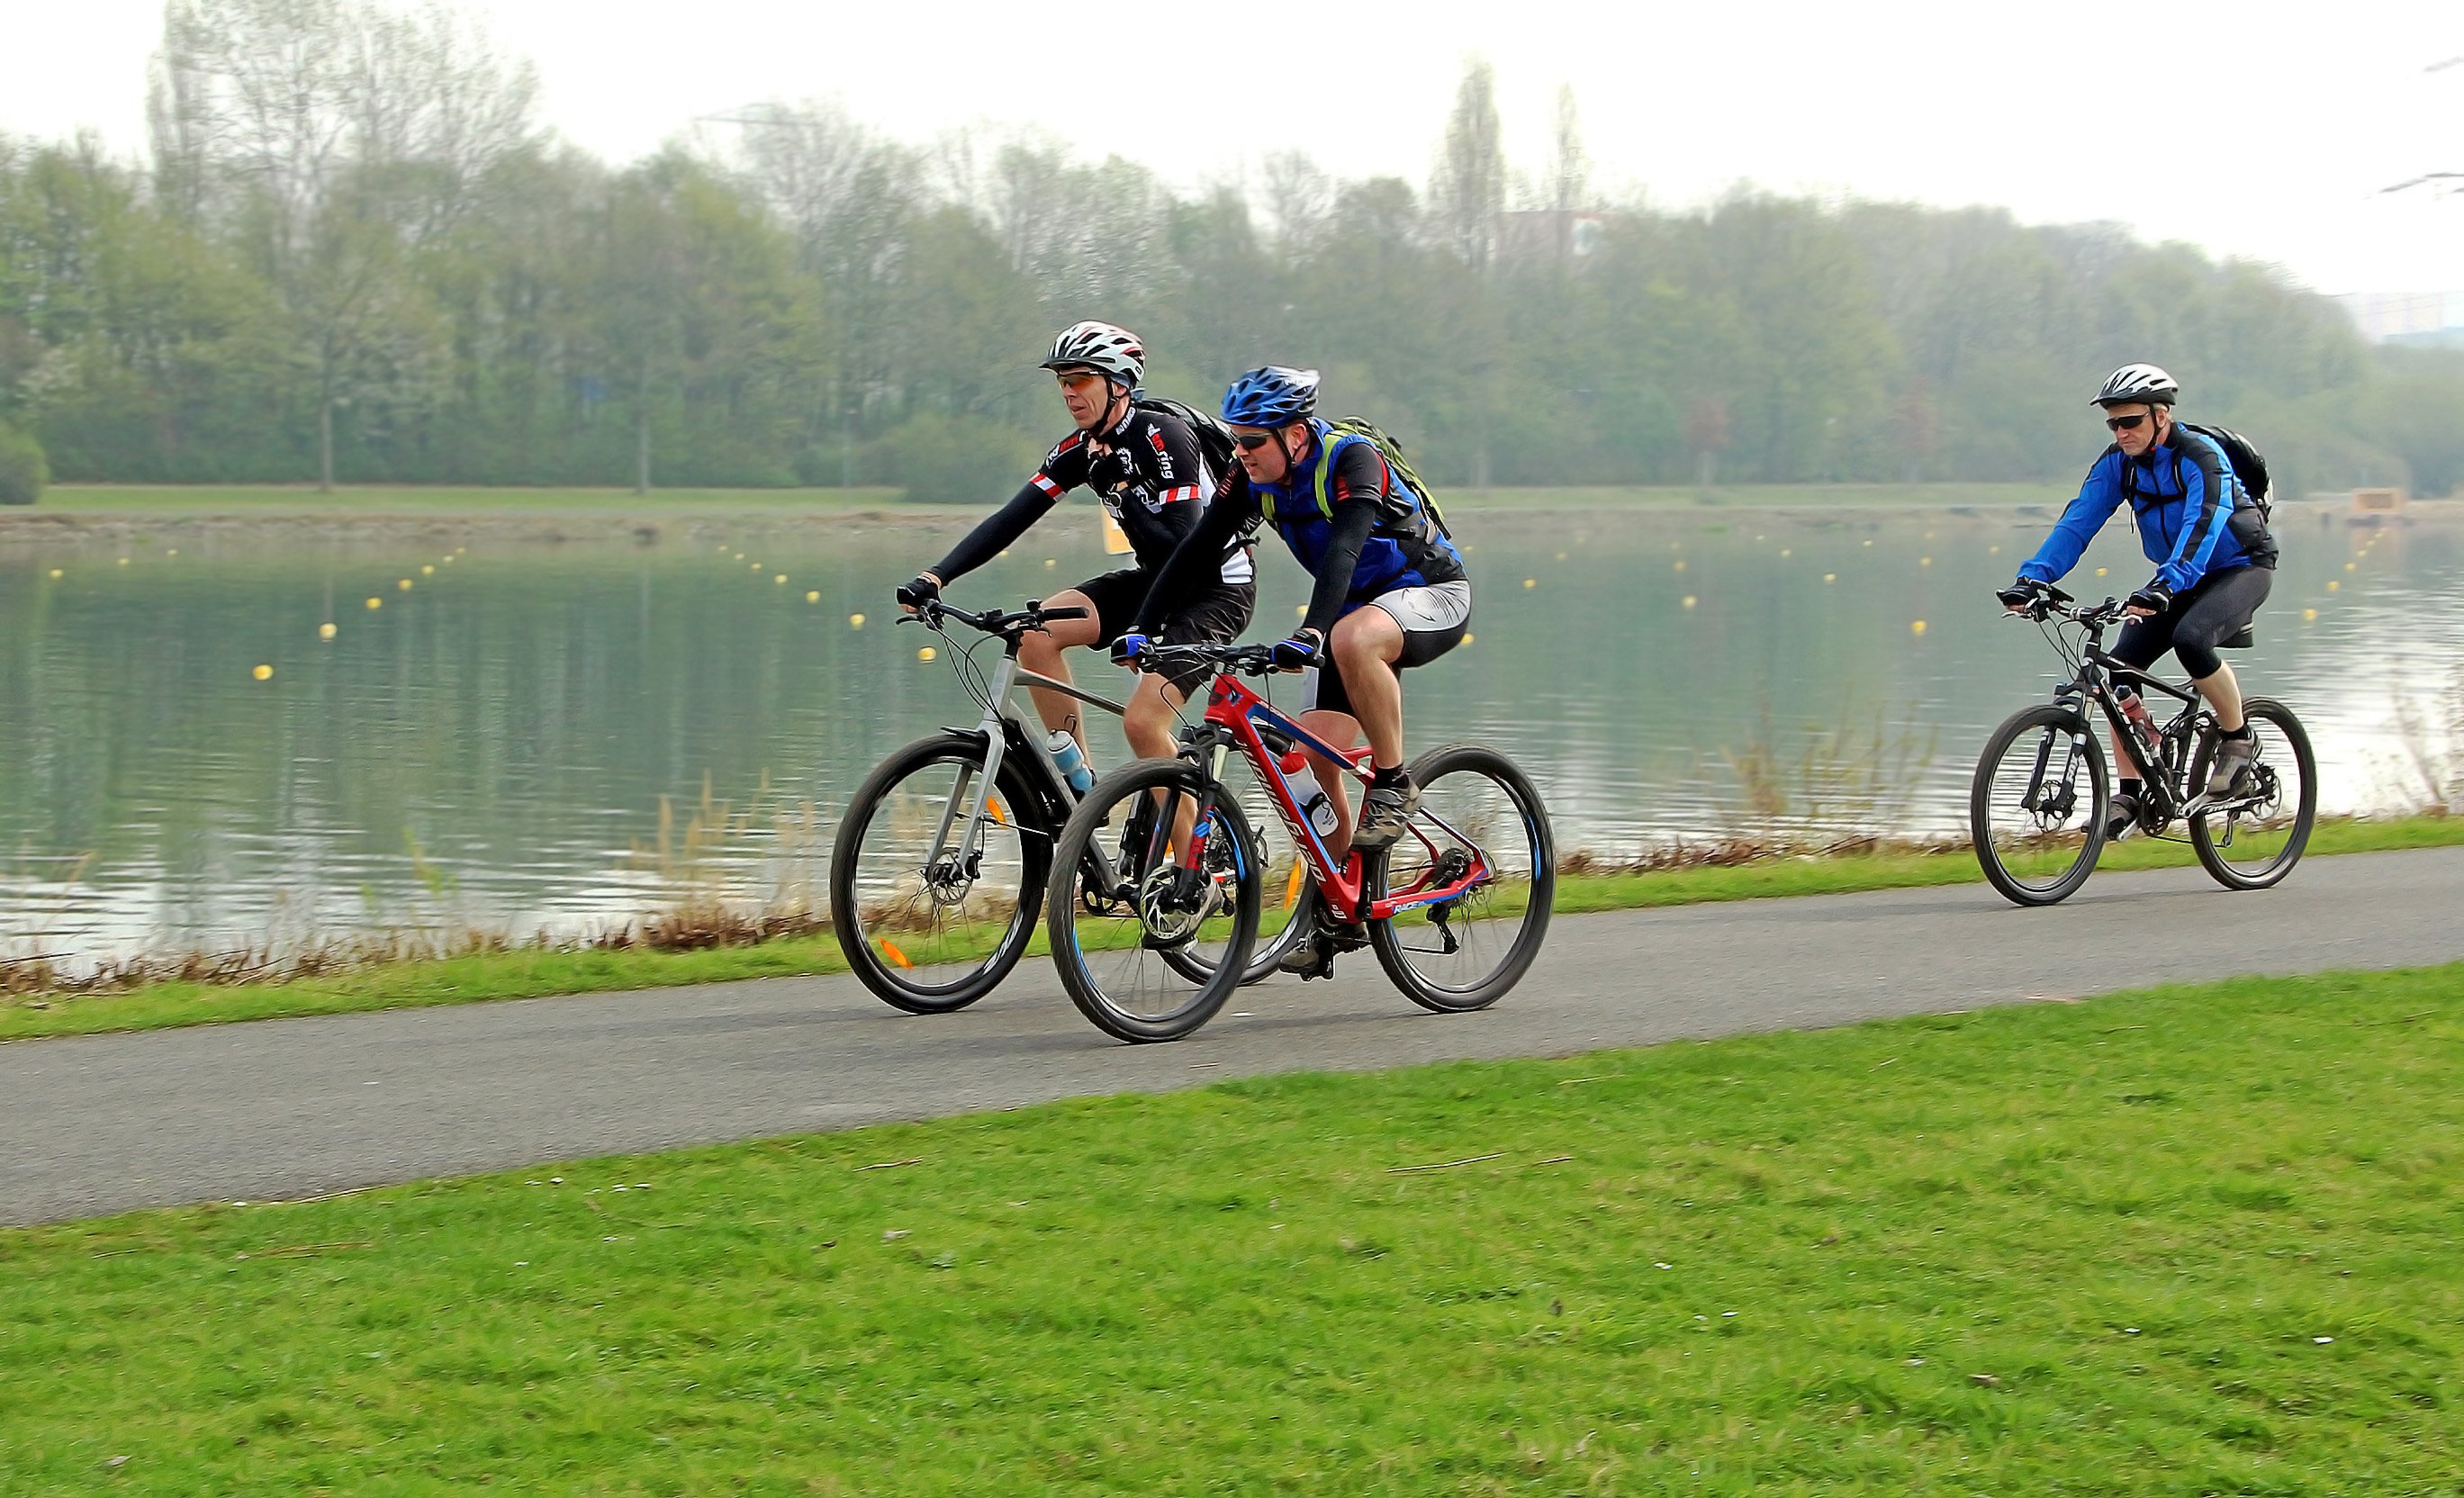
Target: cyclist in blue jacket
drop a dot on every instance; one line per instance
(2197, 521)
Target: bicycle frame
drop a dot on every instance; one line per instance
(2095, 683)
(1005, 730)
(1238, 717)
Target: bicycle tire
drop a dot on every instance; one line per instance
(2047, 880)
(1280, 865)
(2264, 714)
(1101, 942)
(1523, 849)
(876, 952)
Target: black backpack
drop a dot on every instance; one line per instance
(1213, 438)
(2247, 465)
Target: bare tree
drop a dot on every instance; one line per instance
(1300, 201)
(334, 139)
(1469, 192)
(1570, 172)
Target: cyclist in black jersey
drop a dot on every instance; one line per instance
(1146, 468)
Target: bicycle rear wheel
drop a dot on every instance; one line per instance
(2252, 838)
(1466, 953)
(925, 930)
(2037, 808)
(1146, 954)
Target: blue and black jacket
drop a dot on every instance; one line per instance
(2183, 494)
(1358, 529)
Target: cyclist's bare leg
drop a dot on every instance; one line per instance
(1149, 725)
(2223, 691)
(1040, 651)
(1343, 731)
(1367, 644)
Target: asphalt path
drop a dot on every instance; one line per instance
(284, 1109)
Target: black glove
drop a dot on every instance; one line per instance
(2155, 598)
(2020, 594)
(1303, 649)
(918, 593)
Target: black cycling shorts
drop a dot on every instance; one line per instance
(1216, 616)
(1434, 619)
(2217, 608)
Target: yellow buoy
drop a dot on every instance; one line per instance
(326, 631)
(1466, 637)
(1689, 599)
(263, 673)
(2333, 584)
(404, 585)
(1993, 550)
(56, 572)
(1050, 563)
(123, 561)
(925, 654)
(427, 569)
(2099, 572)
(1830, 577)
(1681, 563)
(1300, 611)
(779, 579)
(376, 603)
(2349, 567)
(854, 620)
(1924, 562)
(1530, 582)
(1561, 556)
(1869, 541)
(1786, 552)
(172, 551)
(2309, 615)
(1917, 627)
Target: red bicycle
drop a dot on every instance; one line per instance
(1152, 926)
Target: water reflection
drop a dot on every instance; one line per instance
(551, 736)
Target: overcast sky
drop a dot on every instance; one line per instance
(2262, 130)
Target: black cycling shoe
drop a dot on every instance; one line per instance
(1314, 957)
(2121, 817)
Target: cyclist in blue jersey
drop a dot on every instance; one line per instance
(2198, 522)
(1390, 591)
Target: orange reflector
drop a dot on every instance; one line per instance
(998, 816)
(890, 949)
(1292, 885)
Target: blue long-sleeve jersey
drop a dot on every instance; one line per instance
(2182, 492)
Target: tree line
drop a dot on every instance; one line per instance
(352, 253)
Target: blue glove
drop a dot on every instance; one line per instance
(2156, 597)
(1300, 651)
(1129, 647)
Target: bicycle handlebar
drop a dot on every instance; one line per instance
(992, 621)
(1244, 660)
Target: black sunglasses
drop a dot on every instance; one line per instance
(2124, 423)
(1251, 441)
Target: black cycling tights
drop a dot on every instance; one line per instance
(2211, 612)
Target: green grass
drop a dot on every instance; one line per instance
(533, 973)
(2189, 1241)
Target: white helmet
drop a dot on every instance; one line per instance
(2144, 384)
(1112, 352)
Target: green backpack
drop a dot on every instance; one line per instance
(1398, 513)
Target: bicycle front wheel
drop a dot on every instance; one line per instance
(2037, 808)
(2252, 838)
(930, 924)
(1288, 890)
(1150, 950)
(1477, 810)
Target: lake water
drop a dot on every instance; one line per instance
(561, 734)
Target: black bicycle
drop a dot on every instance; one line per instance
(2041, 798)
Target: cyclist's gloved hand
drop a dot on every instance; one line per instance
(2153, 599)
(1129, 647)
(1303, 649)
(914, 595)
(2018, 596)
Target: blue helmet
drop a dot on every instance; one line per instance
(1274, 396)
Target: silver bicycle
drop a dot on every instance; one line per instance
(939, 868)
